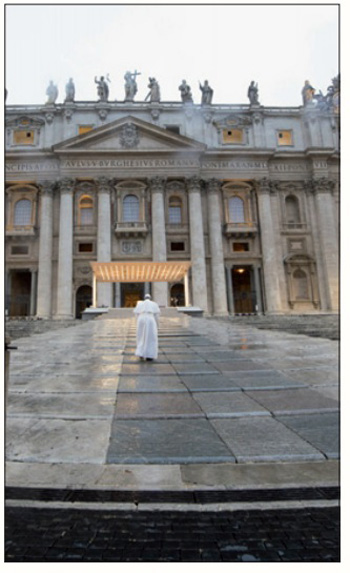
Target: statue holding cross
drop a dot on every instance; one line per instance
(131, 85)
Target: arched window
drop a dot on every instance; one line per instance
(23, 213)
(175, 211)
(292, 209)
(131, 209)
(236, 210)
(86, 210)
(301, 285)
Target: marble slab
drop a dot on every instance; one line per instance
(263, 438)
(62, 405)
(263, 380)
(228, 404)
(237, 365)
(166, 383)
(321, 430)
(209, 383)
(156, 405)
(47, 441)
(293, 400)
(195, 368)
(145, 368)
(166, 442)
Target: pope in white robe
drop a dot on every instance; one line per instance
(147, 313)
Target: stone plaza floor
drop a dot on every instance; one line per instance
(225, 410)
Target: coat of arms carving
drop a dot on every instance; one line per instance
(129, 136)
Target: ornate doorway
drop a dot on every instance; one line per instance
(19, 303)
(83, 299)
(131, 293)
(177, 295)
(244, 294)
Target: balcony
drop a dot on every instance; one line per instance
(131, 229)
(240, 230)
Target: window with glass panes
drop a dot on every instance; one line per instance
(236, 210)
(130, 208)
(175, 211)
(23, 212)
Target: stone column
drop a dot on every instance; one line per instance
(44, 288)
(216, 249)
(65, 252)
(323, 189)
(187, 290)
(199, 275)
(269, 253)
(160, 290)
(104, 290)
(231, 302)
(33, 290)
(257, 289)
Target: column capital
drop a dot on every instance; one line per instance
(264, 186)
(157, 184)
(323, 185)
(104, 184)
(213, 185)
(66, 185)
(47, 187)
(194, 184)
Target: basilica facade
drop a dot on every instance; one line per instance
(246, 195)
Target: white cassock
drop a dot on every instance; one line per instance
(147, 313)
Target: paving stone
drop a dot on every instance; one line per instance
(176, 358)
(228, 404)
(165, 441)
(48, 441)
(60, 383)
(147, 368)
(238, 365)
(195, 368)
(168, 383)
(320, 430)
(209, 382)
(62, 405)
(155, 405)
(263, 380)
(254, 439)
(293, 400)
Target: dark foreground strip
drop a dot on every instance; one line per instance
(201, 497)
(52, 535)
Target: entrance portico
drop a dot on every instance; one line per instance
(140, 272)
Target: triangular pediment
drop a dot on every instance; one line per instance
(128, 134)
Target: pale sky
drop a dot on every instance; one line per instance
(278, 46)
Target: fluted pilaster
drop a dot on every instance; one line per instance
(65, 251)
(157, 185)
(219, 292)
(199, 275)
(44, 296)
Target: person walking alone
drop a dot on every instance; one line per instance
(147, 313)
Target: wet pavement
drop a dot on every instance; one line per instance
(225, 408)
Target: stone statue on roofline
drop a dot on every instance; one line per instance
(186, 94)
(307, 93)
(70, 91)
(102, 88)
(130, 85)
(52, 93)
(253, 95)
(207, 93)
(154, 93)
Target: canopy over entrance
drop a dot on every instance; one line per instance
(140, 271)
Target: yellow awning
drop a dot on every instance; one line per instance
(140, 271)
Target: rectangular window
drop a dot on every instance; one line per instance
(285, 137)
(240, 247)
(23, 137)
(84, 129)
(175, 215)
(19, 250)
(232, 136)
(85, 248)
(173, 128)
(177, 246)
